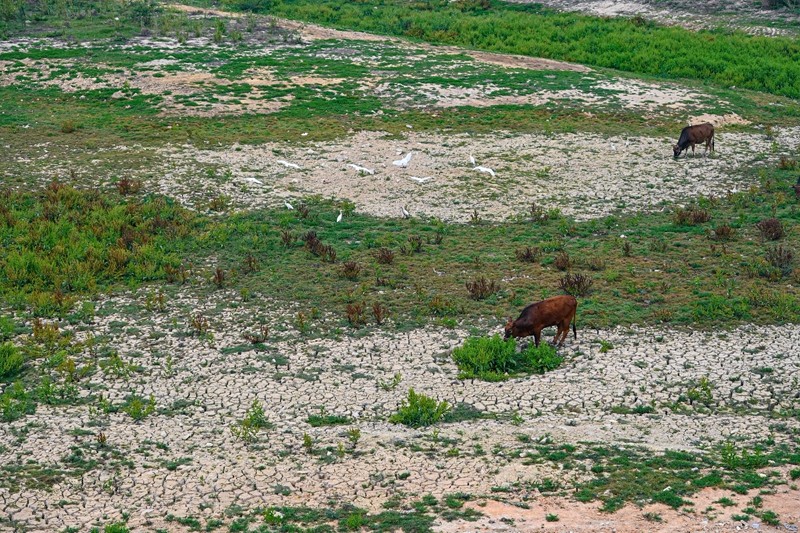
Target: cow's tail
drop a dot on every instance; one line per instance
(574, 319)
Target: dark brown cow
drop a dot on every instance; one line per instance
(556, 311)
(691, 135)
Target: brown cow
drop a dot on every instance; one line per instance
(691, 135)
(556, 311)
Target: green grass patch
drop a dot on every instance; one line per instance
(419, 410)
(496, 359)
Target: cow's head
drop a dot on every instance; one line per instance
(676, 150)
(509, 327)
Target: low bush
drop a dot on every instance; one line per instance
(690, 216)
(563, 261)
(481, 288)
(528, 254)
(576, 284)
(496, 359)
(418, 410)
(771, 229)
(780, 258)
(11, 360)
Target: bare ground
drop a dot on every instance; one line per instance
(584, 175)
(343, 377)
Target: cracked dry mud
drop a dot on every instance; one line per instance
(569, 405)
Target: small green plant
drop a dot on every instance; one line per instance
(254, 421)
(551, 517)
(725, 502)
(354, 435)
(605, 346)
(770, 518)
(653, 517)
(138, 409)
(392, 383)
(11, 360)
(701, 392)
(418, 410)
(308, 443)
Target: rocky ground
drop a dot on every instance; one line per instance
(753, 372)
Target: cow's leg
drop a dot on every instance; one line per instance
(563, 329)
(537, 335)
(558, 333)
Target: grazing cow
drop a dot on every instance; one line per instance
(691, 135)
(556, 311)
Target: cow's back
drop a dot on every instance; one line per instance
(548, 312)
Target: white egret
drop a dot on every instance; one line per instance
(405, 212)
(254, 180)
(403, 163)
(339, 218)
(287, 164)
(288, 205)
(420, 180)
(472, 160)
(359, 168)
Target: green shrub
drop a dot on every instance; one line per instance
(11, 360)
(15, 403)
(496, 359)
(256, 6)
(254, 421)
(419, 410)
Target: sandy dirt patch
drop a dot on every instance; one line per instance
(584, 175)
(578, 517)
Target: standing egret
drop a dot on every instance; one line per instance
(403, 163)
(405, 212)
(288, 205)
(472, 160)
(339, 218)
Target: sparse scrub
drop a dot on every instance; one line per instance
(260, 337)
(355, 314)
(576, 284)
(127, 186)
(529, 254)
(68, 126)
(724, 232)
(384, 256)
(288, 238)
(780, 258)
(563, 261)
(418, 410)
(481, 288)
(786, 163)
(219, 278)
(11, 360)
(771, 229)
(690, 216)
(496, 359)
(379, 312)
(415, 243)
(351, 270)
